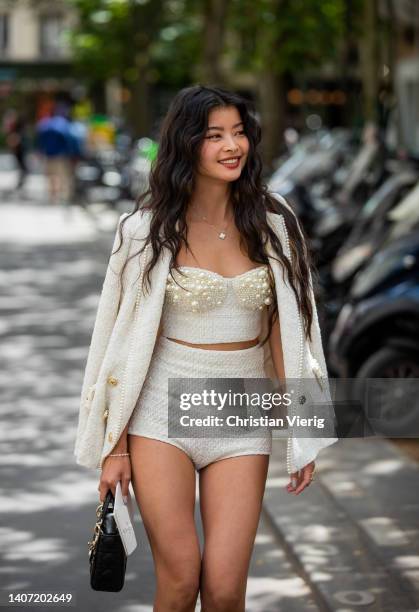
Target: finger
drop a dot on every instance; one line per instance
(125, 488)
(102, 492)
(293, 482)
(306, 481)
(112, 488)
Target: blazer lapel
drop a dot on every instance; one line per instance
(145, 331)
(290, 321)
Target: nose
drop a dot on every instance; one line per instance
(231, 145)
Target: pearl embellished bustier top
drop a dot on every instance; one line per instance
(202, 306)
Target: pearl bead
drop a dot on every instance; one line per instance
(201, 290)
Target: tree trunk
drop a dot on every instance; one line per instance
(370, 61)
(210, 71)
(272, 106)
(138, 107)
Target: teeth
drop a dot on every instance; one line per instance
(231, 162)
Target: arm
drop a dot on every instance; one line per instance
(106, 315)
(302, 452)
(275, 344)
(302, 479)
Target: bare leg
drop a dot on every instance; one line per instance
(163, 478)
(231, 495)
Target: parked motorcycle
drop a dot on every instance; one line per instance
(369, 233)
(370, 320)
(376, 336)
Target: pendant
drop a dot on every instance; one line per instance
(221, 235)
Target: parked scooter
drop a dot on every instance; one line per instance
(368, 235)
(314, 158)
(376, 335)
(389, 284)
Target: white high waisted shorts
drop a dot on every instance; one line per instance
(174, 360)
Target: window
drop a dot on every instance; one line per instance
(4, 32)
(51, 43)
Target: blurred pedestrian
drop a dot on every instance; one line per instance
(56, 143)
(16, 139)
(78, 141)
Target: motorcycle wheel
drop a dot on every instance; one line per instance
(391, 408)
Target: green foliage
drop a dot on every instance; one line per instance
(287, 35)
(120, 37)
(178, 45)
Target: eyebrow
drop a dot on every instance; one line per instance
(216, 127)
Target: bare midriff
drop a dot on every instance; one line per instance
(220, 346)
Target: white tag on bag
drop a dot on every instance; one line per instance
(124, 518)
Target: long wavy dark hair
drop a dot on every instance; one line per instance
(171, 185)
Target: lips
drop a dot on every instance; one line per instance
(231, 162)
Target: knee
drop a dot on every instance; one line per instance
(186, 585)
(222, 599)
(180, 591)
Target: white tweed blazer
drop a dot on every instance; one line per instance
(123, 340)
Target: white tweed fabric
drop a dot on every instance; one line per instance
(173, 360)
(208, 308)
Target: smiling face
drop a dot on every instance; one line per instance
(225, 139)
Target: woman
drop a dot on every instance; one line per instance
(195, 290)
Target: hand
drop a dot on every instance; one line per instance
(302, 479)
(115, 469)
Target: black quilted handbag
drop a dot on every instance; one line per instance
(107, 557)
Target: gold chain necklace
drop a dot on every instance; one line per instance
(221, 234)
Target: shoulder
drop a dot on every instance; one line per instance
(283, 201)
(278, 216)
(279, 221)
(133, 223)
(275, 217)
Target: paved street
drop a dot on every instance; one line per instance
(349, 541)
(354, 533)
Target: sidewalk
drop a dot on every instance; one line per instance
(354, 531)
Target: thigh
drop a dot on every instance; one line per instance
(49, 167)
(61, 168)
(164, 480)
(231, 495)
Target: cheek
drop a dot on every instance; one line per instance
(209, 154)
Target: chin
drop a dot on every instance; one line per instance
(227, 176)
(230, 176)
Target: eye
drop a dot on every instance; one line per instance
(241, 132)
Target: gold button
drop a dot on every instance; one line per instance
(110, 436)
(105, 414)
(112, 380)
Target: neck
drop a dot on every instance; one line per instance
(213, 202)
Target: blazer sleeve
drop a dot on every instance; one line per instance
(301, 451)
(107, 312)
(316, 343)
